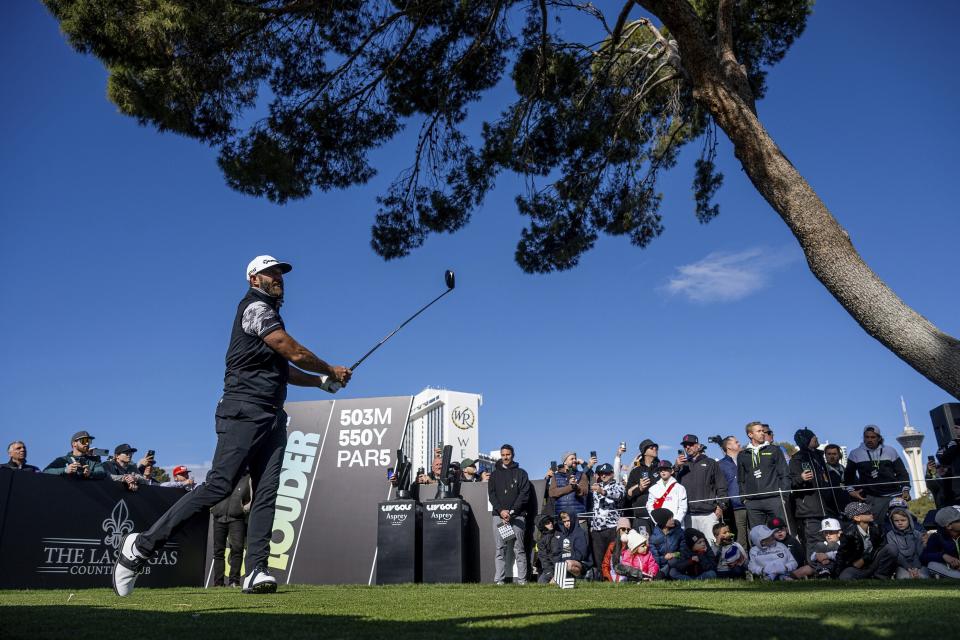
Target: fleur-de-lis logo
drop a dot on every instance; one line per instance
(117, 525)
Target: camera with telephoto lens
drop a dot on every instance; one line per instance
(98, 452)
(717, 440)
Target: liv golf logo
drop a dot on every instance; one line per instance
(95, 556)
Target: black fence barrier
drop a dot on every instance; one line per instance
(62, 533)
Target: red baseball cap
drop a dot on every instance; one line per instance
(180, 470)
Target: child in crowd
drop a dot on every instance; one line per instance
(863, 551)
(942, 553)
(666, 540)
(792, 542)
(908, 542)
(769, 558)
(731, 557)
(696, 561)
(612, 556)
(545, 548)
(667, 493)
(823, 555)
(636, 561)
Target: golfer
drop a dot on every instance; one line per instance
(251, 428)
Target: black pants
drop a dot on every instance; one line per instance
(232, 534)
(759, 510)
(884, 564)
(248, 435)
(600, 540)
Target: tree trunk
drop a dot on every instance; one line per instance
(830, 253)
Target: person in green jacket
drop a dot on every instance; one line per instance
(79, 464)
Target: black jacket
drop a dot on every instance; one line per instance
(508, 489)
(879, 472)
(231, 507)
(762, 470)
(947, 492)
(639, 498)
(851, 544)
(703, 479)
(809, 500)
(26, 467)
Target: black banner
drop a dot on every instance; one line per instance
(62, 533)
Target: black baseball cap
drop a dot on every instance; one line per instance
(81, 434)
(123, 448)
(606, 467)
(776, 523)
(665, 464)
(690, 439)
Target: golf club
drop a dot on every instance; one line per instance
(333, 386)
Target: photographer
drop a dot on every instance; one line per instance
(706, 487)
(641, 478)
(82, 463)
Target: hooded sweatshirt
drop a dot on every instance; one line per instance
(508, 488)
(908, 543)
(769, 561)
(572, 542)
(809, 500)
(676, 499)
(707, 560)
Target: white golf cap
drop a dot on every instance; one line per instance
(829, 524)
(260, 263)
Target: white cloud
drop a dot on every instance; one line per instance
(727, 277)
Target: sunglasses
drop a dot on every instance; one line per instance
(83, 440)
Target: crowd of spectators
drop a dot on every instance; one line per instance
(757, 512)
(84, 462)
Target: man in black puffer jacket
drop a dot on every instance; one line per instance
(810, 477)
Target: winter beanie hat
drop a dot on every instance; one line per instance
(803, 437)
(661, 516)
(947, 516)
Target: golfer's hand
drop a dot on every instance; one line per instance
(342, 375)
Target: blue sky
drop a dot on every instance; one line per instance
(124, 253)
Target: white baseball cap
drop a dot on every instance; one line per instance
(260, 263)
(829, 524)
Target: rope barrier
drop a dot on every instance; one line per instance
(780, 492)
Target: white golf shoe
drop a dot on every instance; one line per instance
(128, 566)
(259, 581)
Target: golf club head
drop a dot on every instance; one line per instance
(449, 278)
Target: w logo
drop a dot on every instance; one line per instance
(117, 525)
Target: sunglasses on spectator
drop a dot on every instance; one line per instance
(83, 440)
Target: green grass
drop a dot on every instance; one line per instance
(718, 609)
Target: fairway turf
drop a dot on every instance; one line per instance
(715, 609)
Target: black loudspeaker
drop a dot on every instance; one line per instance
(946, 422)
(445, 539)
(398, 542)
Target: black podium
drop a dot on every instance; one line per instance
(398, 542)
(445, 540)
